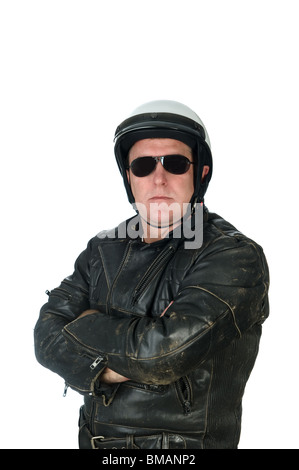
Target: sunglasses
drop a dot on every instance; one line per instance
(175, 164)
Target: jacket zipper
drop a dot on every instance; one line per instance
(184, 393)
(117, 275)
(64, 293)
(92, 417)
(147, 387)
(61, 293)
(151, 272)
(81, 289)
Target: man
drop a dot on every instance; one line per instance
(160, 336)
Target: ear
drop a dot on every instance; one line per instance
(128, 176)
(205, 171)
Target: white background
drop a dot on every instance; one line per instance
(71, 71)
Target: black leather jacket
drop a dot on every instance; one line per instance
(188, 368)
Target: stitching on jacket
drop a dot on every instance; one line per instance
(221, 300)
(169, 353)
(207, 405)
(124, 262)
(102, 258)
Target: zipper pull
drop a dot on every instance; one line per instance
(66, 386)
(96, 362)
(187, 407)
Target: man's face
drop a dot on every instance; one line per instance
(160, 196)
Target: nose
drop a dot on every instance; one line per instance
(159, 173)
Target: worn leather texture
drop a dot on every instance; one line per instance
(189, 367)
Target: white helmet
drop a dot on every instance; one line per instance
(165, 119)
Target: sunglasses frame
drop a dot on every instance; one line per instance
(160, 159)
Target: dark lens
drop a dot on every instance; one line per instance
(176, 164)
(143, 166)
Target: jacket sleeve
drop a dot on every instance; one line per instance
(78, 365)
(223, 296)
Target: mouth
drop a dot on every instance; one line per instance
(160, 198)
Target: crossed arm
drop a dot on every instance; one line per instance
(109, 376)
(206, 314)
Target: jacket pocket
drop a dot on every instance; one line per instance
(146, 387)
(184, 394)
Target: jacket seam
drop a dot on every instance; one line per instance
(208, 405)
(104, 267)
(173, 351)
(221, 300)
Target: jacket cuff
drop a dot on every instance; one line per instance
(82, 365)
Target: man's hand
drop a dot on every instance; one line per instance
(111, 377)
